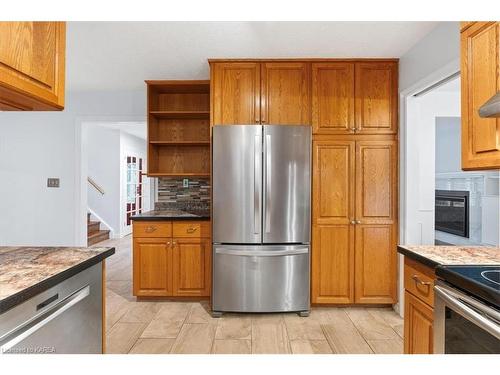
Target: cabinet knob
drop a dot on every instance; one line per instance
(191, 229)
(353, 130)
(150, 229)
(358, 221)
(353, 221)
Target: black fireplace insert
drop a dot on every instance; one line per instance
(452, 212)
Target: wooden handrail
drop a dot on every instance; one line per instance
(95, 185)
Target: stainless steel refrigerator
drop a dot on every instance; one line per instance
(261, 218)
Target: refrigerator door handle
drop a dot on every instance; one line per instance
(268, 184)
(256, 185)
(262, 253)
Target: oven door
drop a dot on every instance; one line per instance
(462, 324)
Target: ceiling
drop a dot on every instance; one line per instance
(121, 55)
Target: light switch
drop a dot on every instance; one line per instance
(52, 182)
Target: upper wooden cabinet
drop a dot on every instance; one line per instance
(285, 93)
(32, 65)
(354, 97)
(333, 98)
(260, 93)
(480, 70)
(235, 93)
(376, 98)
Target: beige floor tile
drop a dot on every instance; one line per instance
(168, 322)
(270, 338)
(141, 312)
(299, 328)
(391, 318)
(392, 346)
(195, 339)
(372, 329)
(232, 347)
(116, 307)
(123, 288)
(152, 346)
(122, 337)
(234, 327)
(266, 318)
(200, 314)
(343, 336)
(310, 347)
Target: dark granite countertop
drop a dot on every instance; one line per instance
(434, 256)
(28, 271)
(159, 215)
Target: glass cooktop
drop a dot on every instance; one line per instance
(482, 282)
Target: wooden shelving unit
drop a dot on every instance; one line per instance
(178, 128)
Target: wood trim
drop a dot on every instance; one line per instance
(302, 59)
(103, 307)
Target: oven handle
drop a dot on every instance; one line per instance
(453, 300)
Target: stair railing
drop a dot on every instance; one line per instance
(95, 185)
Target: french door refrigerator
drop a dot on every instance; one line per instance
(261, 218)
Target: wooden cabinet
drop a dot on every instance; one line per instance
(480, 79)
(376, 98)
(192, 268)
(419, 308)
(152, 266)
(418, 330)
(285, 93)
(355, 97)
(32, 65)
(171, 259)
(333, 98)
(259, 92)
(354, 221)
(235, 93)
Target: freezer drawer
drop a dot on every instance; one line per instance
(260, 278)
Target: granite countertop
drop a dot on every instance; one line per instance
(172, 214)
(28, 271)
(434, 256)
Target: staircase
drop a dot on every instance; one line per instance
(94, 232)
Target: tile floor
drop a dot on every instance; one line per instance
(187, 327)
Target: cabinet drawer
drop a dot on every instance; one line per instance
(419, 280)
(152, 229)
(191, 229)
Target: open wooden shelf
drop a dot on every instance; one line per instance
(180, 114)
(178, 128)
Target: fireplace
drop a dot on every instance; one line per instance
(452, 212)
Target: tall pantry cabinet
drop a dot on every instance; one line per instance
(355, 182)
(352, 108)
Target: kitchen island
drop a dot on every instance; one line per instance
(423, 267)
(51, 299)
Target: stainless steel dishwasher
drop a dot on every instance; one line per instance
(65, 319)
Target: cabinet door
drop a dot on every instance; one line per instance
(235, 93)
(332, 276)
(480, 48)
(418, 332)
(376, 98)
(32, 60)
(333, 182)
(191, 259)
(376, 212)
(285, 93)
(333, 98)
(152, 267)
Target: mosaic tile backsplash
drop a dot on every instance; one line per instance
(171, 193)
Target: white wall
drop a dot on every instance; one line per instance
(37, 145)
(448, 144)
(433, 52)
(103, 158)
